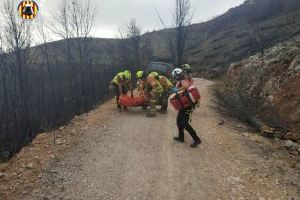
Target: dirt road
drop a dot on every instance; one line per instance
(128, 156)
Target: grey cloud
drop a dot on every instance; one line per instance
(115, 13)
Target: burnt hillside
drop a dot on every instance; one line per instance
(240, 32)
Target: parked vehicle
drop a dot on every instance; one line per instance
(162, 68)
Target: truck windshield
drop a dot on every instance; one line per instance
(159, 67)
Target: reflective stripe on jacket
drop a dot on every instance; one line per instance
(166, 83)
(119, 79)
(155, 84)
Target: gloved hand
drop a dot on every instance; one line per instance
(174, 90)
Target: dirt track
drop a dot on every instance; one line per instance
(129, 156)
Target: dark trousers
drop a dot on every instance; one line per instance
(183, 119)
(117, 93)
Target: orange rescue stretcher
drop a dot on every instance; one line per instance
(127, 101)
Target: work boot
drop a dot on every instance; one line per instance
(196, 143)
(178, 139)
(119, 107)
(150, 114)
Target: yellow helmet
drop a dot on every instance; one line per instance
(185, 67)
(127, 74)
(154, 74)
(139, 74)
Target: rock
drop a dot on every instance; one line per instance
(222, 122)
(29, 166)
(61, 128)
(25, 192)
(245, 134)
(52, 156)
(290, 145)
(2, 175)
(234, 180)
(73, 131)
(294, 152)
(292, 137)
(58, 141)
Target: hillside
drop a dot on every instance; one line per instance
(240, 32)
(268, 86)
(235, 35)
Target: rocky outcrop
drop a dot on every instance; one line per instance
(269, 85)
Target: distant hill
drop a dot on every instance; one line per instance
(234, 35)
(240, 32)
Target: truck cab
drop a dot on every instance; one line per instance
(162, 68)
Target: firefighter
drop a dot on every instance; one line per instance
(164, 81)
(121, 83)
(187, 70)
(140, 84)
(184, 115)
(167, 85)
(153, 91)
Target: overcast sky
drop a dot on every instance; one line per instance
(117, 13)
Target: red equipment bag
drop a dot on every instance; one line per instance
(185, 99)
(128, 101)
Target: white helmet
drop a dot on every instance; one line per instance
(177, 72)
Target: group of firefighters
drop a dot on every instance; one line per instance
(152, 86)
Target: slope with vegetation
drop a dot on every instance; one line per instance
(240, 32)
(267, 87)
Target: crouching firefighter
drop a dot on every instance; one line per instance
(167, 86)
(184, 115)
(121, 83)
(153, 91)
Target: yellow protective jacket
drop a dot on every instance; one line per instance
(119, 79)
(165, 82)
(154, 84)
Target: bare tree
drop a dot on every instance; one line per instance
(176, 36)
(146, 51)
(17, 40)
(182, 18)
(134, 40)
(74, 23)
(124, 54)
(130, 44)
